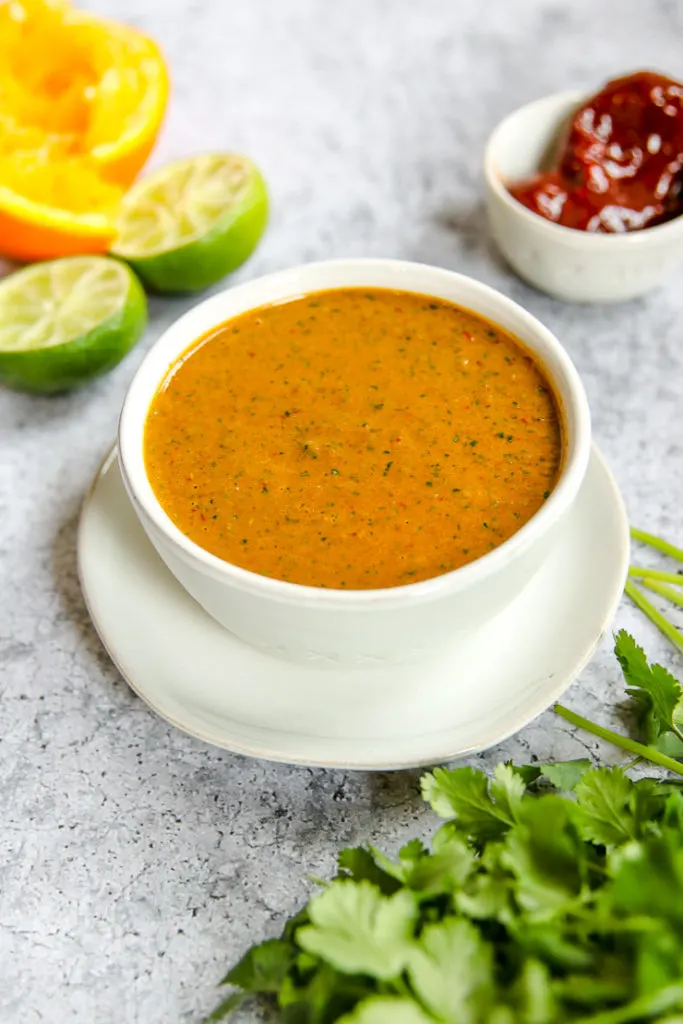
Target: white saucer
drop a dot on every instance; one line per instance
(200, 678)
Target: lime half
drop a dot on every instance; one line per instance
(187, 225)
(66, 321)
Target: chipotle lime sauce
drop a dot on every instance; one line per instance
(619, 165)
(353, 439)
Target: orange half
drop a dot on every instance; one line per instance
(81, 104)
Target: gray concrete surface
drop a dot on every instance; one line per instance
(136, 863)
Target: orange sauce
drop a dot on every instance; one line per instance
(353, 439)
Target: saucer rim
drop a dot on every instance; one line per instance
(545, 695)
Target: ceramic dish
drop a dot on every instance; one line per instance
(363, 626)
(576, 266)
(202, 679)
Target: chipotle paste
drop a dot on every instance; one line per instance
(619, 164)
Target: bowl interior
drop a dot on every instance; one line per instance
(527, 140)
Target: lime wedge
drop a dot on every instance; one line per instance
(66, 321)
(187, 225)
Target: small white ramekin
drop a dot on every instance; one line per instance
(361, 627)
(577, 266)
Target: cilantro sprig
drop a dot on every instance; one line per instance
(656, 696)
(657, 701)
(551, 893)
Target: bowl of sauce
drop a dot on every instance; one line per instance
(585, 193)
(356, 461)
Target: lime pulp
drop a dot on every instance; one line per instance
(184, 227)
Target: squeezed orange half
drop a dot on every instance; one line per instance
(81, 104)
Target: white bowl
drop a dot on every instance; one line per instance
(362, 626)
(577, 266)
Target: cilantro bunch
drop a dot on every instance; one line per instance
(551, 893)
(530, 906)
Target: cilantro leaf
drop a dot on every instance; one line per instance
(387, 1010)
(487, 894)
(658, 695)
(604, 812)
(485, 898)
(452, 971)
(444, 870)
(648, 878)
(359, 863)
(566, 775)
(264, 967)
(648, 805)
(545, 855)
(534, 993)
(668, 743)
(408, 856)
(412, 851)
(528, 773)
(463, 795)
(563, 775)
(430, 874)
(673, 811)
(507, 790)
(359, 931)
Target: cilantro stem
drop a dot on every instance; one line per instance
(640, 749)
(639, 599)
(657, 543)
(668, 592)
(656, 574)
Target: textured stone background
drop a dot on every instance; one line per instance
(135, 862)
